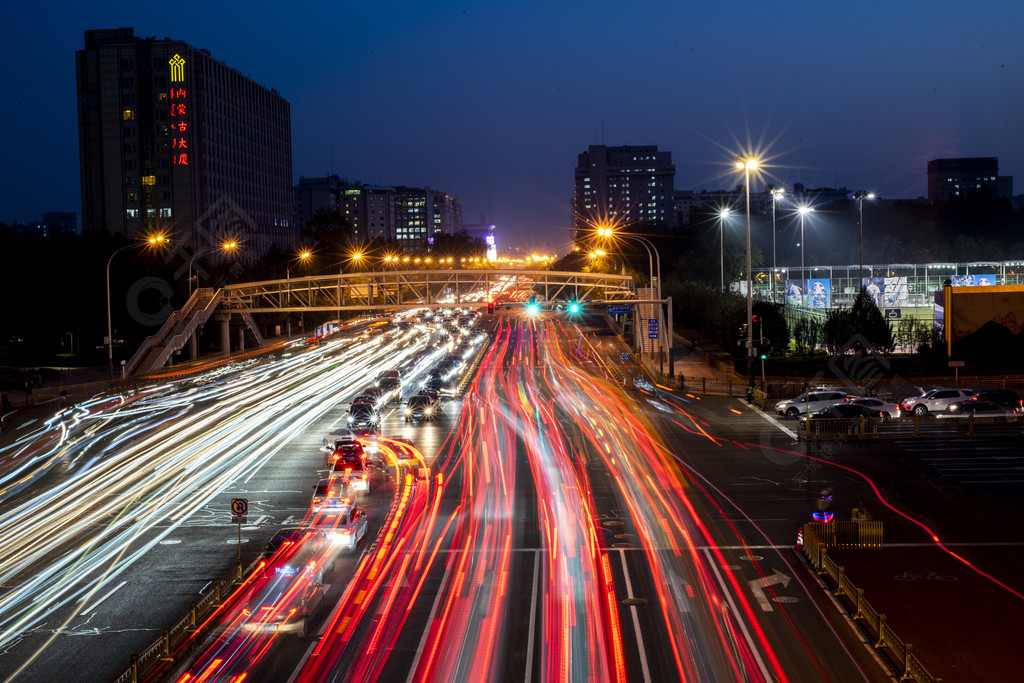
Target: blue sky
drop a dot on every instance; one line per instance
(493, 101)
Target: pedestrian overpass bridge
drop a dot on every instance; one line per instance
(375, 291)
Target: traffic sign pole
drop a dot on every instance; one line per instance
(239, 509)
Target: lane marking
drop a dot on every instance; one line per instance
(533, 617)
(100, 601)
(636, 619)
(738, 616)
(771, 420)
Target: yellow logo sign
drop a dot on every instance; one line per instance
(177, 69)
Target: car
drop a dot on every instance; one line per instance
(345, 526)
(347, 451)
(352, 476)
(978, 408)
(843, 411)
(326, 496)
(293, 550)
(284, 605)
(389, 387)
(884, 409)
(363, 415)
(1003, 397)
(420, 407)
(935, 400)
(809, 401)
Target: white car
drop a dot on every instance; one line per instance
(812, 401)
(885, 409)
(346, 526)
(936, 400)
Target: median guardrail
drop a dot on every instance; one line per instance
(818, 538)
(1011, 424)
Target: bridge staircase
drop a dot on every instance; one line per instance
(177, 329)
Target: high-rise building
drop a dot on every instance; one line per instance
(623, 185)
(968, 177)
(173, 139)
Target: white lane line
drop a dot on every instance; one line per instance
(636, 619)
(739, 617)
(771, 420)
(533, 617)
(100, 601)
(430, 620)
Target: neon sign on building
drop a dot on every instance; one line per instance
(179, 113)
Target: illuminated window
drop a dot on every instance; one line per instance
(132, 213)
(150, 213)
(128, 115)
(165, 212)
(133, 197)
(149, 180)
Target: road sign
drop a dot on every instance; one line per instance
(652, 328)
(625, 356)
(956, 363)
(239, 507)
(619, 310)
(235, 519)
(893, 313)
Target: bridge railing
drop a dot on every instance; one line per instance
(417, 288)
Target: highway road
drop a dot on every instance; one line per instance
(561, 524)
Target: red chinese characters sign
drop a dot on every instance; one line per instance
(179, 113)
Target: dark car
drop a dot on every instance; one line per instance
(844, 411)
(292, 551)
(362, 415)
(978, 408)
(420, 407)
(1003, 397)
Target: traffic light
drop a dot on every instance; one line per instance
(532, 308)
(574, 306)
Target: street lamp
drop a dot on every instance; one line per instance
(722, 215)
(156, 239)
(777, 193)
(748, 164)
(803, 210)
(226, 246)
(860, 196)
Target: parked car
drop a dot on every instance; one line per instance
(809, 402)
(884, 409)
(978, 408)
(935, 400)
(1003, 397)
(843, 411)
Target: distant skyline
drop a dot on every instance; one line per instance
(493, 103)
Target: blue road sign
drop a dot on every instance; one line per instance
(652, 328)
(619, 310)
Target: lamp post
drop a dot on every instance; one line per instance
(777, 193)
(748, 164)
(158, 239)
(803, 210)
(226, 246)
(860, 196)
(303, 256)
(722, 215)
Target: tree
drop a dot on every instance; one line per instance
(869, 331)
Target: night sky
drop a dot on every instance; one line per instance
(492, 101)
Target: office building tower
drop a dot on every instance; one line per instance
(623, 186)
(174, 140)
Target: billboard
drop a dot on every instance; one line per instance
(896, 293)
(794, 292)
(874, 286)
(820, 292)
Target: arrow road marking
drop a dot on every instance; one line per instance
(757, 587)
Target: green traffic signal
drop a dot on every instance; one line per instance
(574, 307)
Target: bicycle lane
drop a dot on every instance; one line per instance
(963, 626)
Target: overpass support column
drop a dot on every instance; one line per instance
(241, 337)
(193, 345)
(225, 332)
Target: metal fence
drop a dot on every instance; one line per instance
(1011, 424)
(818, 537)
